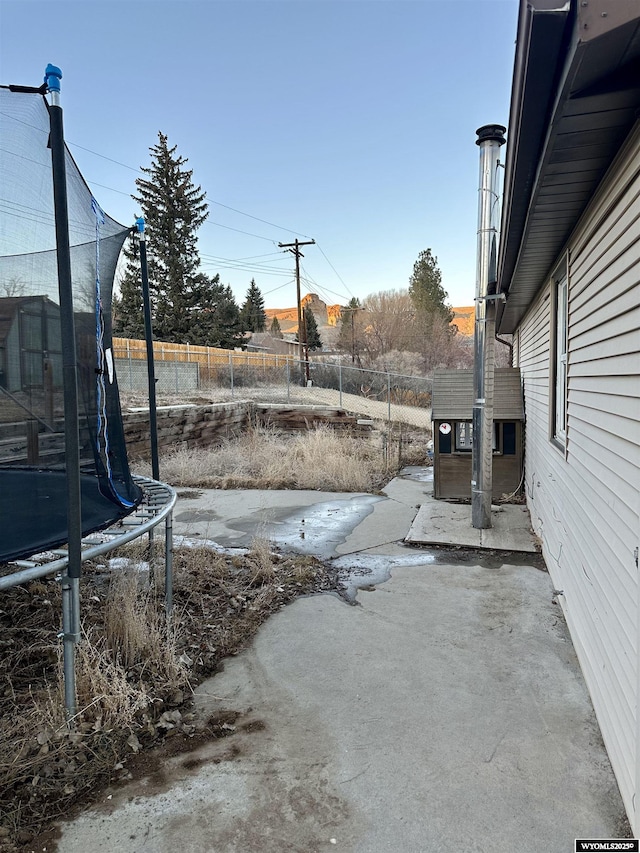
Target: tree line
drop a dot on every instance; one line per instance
(405, 331)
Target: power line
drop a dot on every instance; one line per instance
(279, 287)
(248, 233)
(322, 287)
(268, 264)
(209, 203)
(257, 218)
(104, 157)
(335, 270)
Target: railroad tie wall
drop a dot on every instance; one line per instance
(296, 418)
(208, 426)
(193, 426)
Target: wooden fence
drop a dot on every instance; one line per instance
(209, 357)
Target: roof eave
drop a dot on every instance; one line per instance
(576, 119)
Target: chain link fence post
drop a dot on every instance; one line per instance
(231, 372)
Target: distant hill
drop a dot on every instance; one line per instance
(464, 319)
(326, 315)
(329, 316)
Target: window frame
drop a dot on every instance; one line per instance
(468, 425)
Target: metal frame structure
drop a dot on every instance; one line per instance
(156, 507)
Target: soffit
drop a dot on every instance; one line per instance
(577, 111)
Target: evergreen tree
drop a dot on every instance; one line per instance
(217, 322)
(128, 317)
(252, 313)
(350, 332)
(275, 331)
(425, 288)
(311, 327)
(173, 209)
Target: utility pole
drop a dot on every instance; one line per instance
(294, 248)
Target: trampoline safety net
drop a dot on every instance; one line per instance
(33, 489)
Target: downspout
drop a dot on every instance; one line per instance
(507, 344)
(490, 139)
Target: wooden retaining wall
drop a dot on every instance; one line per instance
(193, 426)
(208, 426)
(295, 418)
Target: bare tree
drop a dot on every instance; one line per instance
(13, 287)
(388, 321)
(392, 324)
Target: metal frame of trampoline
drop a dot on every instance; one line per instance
(156, 506)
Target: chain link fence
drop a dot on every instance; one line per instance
(380, 396)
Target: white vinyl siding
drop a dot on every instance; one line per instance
(560, 348)
(585, 507)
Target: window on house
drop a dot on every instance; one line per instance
(560, 365)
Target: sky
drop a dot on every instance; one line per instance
(350, 122)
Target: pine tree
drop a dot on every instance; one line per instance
(128, 318)
(173, 209)
(275, 331)
(217, 322)
(252, 313)
(311, 327)
(348, 338)
(425, 288)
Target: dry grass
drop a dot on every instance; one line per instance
(320, 459)
(133, 675)
(136, 631)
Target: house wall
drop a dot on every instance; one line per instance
(584, 499)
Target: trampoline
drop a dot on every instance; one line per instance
(34, 424)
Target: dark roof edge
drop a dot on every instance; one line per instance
(597, 56)
(544, 29)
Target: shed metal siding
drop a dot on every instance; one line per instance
(585, 507)
(452, 395)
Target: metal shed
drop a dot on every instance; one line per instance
(452, 413)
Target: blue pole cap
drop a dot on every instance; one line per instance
(140, 224)
(52, 77)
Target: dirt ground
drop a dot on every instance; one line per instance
(47, 771)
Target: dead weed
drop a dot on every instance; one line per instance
(134, 674)
(321, 459)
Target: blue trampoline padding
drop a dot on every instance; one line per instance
(33, 510)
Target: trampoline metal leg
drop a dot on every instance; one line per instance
(168, 567)
(152, 571)
(70, 636)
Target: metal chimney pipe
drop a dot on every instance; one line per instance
(490, 139)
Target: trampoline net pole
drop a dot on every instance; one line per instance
(70, 608)
(70, 585)
(67, 327)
